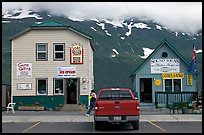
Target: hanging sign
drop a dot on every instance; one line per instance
(24, 70)
(66, 72)
(189, 79)
(76, 54)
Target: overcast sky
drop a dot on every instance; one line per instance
(178, 16)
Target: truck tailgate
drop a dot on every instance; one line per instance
(117, 107)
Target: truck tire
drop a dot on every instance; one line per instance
(97, 125)
(135, 125)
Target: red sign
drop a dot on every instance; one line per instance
(76, 54)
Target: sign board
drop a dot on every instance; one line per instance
(172, 75)
(66, 72)
(24, 86)
(76, 54)
(164, 65)
(189, 79)
(24, 70)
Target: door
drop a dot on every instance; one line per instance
(72, 91)
(146, 90)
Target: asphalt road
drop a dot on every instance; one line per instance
(88, 127)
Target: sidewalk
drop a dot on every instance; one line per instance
(78, 116)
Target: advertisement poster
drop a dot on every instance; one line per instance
(24, 70)
(66, 72)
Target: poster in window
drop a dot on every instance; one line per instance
(76, 54)
(24, 70)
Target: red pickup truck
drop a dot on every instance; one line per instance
(116, 105)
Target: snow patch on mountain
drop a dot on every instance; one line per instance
(6, 21)
(19, 14)
(158, 27)
(115, 23)
(93, 28)
(115, 53)
(147, 52)
(136, 25)
(76, 19)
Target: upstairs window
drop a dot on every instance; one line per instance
(41, 53)
(59, 51)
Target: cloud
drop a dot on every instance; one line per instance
(177, 16)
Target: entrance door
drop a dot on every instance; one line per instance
(146, 90)
(72, 91)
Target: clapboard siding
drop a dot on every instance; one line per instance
(24, 51)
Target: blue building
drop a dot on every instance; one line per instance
(163, 78)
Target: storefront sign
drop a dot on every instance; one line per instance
(66, 72)
(76, 54)
(164, 65)
(189, 79)
(24, 86)
(24, 70)
(173, 75)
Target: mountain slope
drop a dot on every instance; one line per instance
(128, 38)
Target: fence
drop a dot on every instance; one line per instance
(162, 99)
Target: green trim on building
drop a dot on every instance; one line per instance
(84, 100)
(47, 101)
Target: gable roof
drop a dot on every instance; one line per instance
(50, 23)
(164, 42)
(53, 24)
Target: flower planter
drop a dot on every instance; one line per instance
(30, 108)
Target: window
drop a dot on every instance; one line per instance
(59, 51)
(113, 95)
(41, 51)
(41, 86)
(58, 88)
(172, 85)
(165, 54)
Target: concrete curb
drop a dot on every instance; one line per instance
(83, 118)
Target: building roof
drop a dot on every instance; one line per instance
(50, 23)
(164, 42)
(53, 24)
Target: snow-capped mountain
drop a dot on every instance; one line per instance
(119, 43)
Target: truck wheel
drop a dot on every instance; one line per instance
(97, 125)
(135, 125)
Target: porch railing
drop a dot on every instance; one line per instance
(163, 99)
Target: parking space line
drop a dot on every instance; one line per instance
(31, 127)
(157, 126)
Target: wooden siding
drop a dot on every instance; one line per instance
(145, 72)
(24, 51)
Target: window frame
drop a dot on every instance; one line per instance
(54, 52)
(46, 52)
(172, 84)
(46, 85)
(54, 86)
